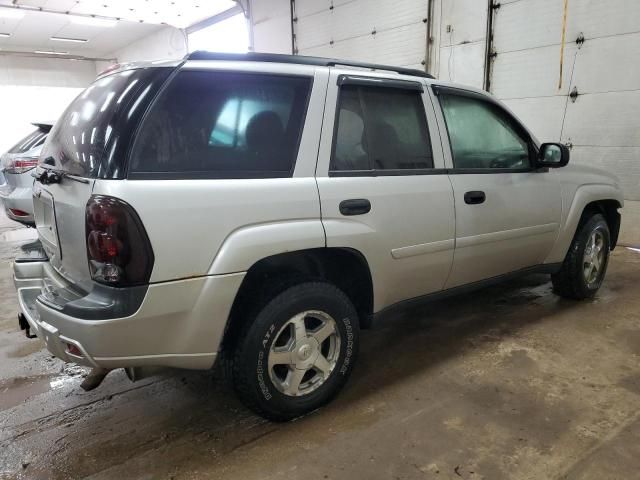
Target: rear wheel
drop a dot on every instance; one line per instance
(298, 351)
(586, 262)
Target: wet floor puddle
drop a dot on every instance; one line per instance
(14, 391)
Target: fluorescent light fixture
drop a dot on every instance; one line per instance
(8, 12)
(93, 21)
(63, 39)
(50, 52)
(5, 35)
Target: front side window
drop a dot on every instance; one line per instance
(482, 135)
(380, 129)
(223, 125)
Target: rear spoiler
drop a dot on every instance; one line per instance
(44, 126)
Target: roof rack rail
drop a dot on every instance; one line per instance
(301, 60)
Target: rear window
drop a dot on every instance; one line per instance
(34, 139)
(91, 137)
(222, 125)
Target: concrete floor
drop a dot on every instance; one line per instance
(508, 383)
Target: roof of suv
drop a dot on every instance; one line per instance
(267, 58)
(301, 60)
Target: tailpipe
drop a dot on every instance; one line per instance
(138, 373)
(94, 379)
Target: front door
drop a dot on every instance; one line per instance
(507, 213)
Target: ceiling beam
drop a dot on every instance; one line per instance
(28, 8)
(18, 53)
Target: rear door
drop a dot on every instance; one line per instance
(507, 213)
(383, 187)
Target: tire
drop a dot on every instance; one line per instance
(571, 281)
(274, 352)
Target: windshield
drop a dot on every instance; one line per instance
(91, 136)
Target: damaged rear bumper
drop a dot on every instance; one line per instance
(175, 324)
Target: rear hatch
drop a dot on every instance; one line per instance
(89, 141)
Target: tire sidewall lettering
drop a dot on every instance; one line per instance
(262, 366)
(344, 368)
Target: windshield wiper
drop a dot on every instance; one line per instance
(49, 176)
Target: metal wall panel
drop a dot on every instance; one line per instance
(609, 64)
(463, 63)
(271, 26)
(602, 125)
(390, 47)
(542, 115)
(346, 30)
(462, 21)
(604, 119)
(531, 73)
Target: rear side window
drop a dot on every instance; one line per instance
(223, 125)
(34, 139)
(380, 129)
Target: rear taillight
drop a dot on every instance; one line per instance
(18, 213)
(21, 165)
(118, 248)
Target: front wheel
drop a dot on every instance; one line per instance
(298, 351)
(586, 262)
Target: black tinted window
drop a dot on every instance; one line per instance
(223, 125)
(91, 137)
(380, 129)
(32, 140)
(483, 135)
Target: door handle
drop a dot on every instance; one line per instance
(474, 197)
(355, 206)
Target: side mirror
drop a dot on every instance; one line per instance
(552, 155)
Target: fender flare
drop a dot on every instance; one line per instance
(584, 195)
(248, 245)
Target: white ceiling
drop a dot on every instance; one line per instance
(137, 18)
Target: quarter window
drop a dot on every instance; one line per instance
(223, 125)
(380, 128)
(482, 135)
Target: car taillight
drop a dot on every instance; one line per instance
(18, 213)
(118, 248)
(21, 165)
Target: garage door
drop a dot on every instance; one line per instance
(600, 120)
(378, 31)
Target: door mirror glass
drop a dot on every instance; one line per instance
(553, 155)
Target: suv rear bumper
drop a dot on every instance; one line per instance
(19, 198)
(178, 324)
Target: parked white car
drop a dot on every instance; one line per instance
(16, 167)
(262, 209)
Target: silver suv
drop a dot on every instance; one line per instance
(262, 209)
(15, 174)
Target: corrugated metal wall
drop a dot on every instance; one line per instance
(379, 31)
(603, 124)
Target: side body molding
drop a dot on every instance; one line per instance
(250, 244)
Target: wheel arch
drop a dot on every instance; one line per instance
(346, 268)
(589, 198)
(609, 209)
